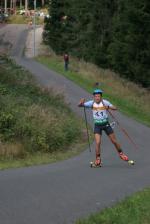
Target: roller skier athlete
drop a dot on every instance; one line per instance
(100, 109)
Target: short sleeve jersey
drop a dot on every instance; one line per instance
(100, 115)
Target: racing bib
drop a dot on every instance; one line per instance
(99, 113)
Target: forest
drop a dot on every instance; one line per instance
(6, 5)
(112, 34)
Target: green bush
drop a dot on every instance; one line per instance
(35, 117)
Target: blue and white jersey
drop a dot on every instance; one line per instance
(100, 115)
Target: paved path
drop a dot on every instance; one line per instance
(12, 39)
(60, 193)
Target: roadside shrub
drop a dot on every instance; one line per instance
(31, 116)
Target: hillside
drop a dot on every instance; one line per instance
(32, 119)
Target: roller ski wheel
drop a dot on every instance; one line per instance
(126, 159)
(93, 165)
(131, 162)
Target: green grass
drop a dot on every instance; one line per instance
(35, 123)
(22, 19)
(42, 158)
(126, 95)
(132, 210)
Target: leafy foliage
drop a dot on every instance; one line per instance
(129, 50)
(32, 116)
(110, 33)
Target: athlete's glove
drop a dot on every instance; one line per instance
(107, 107)
(81, 103)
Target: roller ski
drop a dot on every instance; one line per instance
(96, 164)
(125, 158)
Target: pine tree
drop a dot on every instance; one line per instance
(102, 15)
(110, 33)
(129, 51)
(53, 25)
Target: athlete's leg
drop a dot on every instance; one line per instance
(109, 131)
(98, 143)
(118, 147)
(97, 136)
(97, 148)
(113, 139)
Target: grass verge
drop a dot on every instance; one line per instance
(126, 95)
(132, 210)
(22, 19)
(42, 158)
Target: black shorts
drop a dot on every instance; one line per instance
(98, 128)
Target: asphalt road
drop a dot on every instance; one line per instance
(60, 193)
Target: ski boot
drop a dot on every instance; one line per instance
(96, 164)
(123, 156)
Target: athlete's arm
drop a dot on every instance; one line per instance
(111, 107)
(88, 104)
(108, 105)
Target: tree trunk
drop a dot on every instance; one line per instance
(14, 6)
(20, 4)
(5, 7)
(43, 2)
(11, 4)
(26, 7)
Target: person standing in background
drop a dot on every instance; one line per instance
(66, 61)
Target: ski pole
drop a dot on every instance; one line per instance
(117, 122)
(87, 130)
(121, 128)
